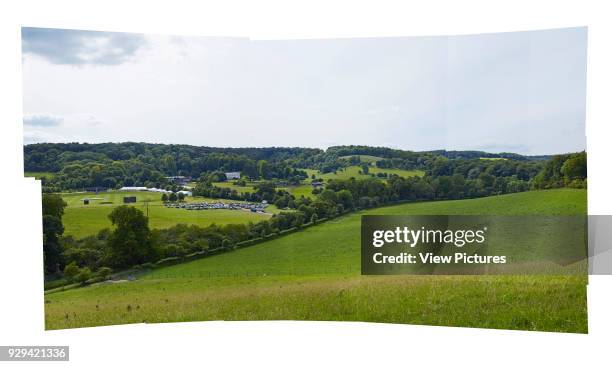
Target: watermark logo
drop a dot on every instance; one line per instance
(464, 244)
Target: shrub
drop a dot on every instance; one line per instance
(83, 275)
(56, 283)
(172, 250)
(71, 270)
(104, 272)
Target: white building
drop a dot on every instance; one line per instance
(161, 191)
(232, 175)
(133, 188)
(143, 188)
(185, 192)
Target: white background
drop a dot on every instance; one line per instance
(294, 343)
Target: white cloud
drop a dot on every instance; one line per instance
(42, 120)
(73, 47)
(521, 91)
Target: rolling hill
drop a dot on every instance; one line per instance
(314, 274)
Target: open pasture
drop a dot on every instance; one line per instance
(314, 275)
(82, 220)
(354, 171)
(250, 186)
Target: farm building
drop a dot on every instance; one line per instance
(185, 192)
(133, 188)
(143, 188)
(232, 175)
(179, 180)
(161, 191)
(317, 184)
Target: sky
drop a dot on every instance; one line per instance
(521, 92)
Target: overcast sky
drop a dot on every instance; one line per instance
(518, 92)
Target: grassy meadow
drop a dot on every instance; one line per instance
(353, 171)
(314, 274)
(82, 220)
(250, 186)
(346, 173)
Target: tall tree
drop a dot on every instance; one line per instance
(575, 167)
(53, 209)
(130, 242)
(53, 204)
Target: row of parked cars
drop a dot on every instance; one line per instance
(254, 207)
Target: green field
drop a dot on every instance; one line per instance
(301, 190)
(82, 220)
(250, 187)
(395, 171)
(305, 189)
(353, 171)
(314, 275)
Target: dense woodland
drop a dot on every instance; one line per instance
(76, 166)
(129, 242)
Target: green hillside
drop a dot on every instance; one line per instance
(353, 171)
(250, 187)
(314, 275)
(334, 246)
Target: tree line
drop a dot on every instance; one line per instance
(76, 166)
